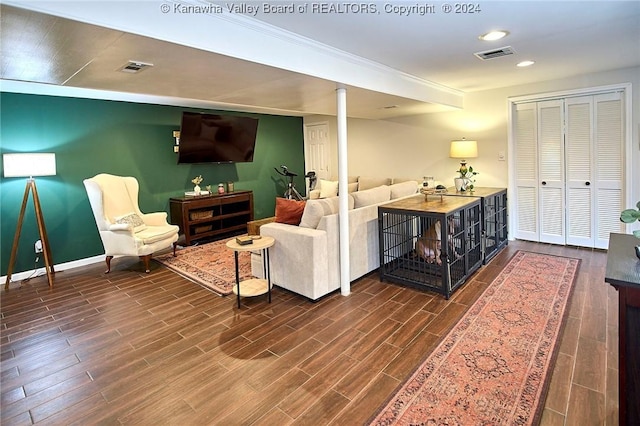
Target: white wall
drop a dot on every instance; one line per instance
(416, 146)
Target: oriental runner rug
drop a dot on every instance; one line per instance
(211, 265)
(494, 366)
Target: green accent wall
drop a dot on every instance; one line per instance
(92, 136)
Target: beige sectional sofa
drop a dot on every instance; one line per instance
(306, 258)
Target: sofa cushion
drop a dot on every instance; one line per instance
(371, 196)
(352, 187)
(370, 182)
(316, 209)
(403, 189)
(289, 211)
(153, 234)
(328, 188)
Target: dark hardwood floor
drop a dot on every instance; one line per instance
(128, 347)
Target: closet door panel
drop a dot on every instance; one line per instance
(551, 171)
(609, 176)
(526, 154)
(579, 166)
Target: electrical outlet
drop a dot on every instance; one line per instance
(38, 246)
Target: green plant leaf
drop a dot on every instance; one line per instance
(637, 233)
(629, 215)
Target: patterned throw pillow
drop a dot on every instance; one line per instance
(133, 220)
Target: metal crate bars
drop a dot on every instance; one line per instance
(432, 245)
(494, 217)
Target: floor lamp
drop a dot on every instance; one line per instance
(30, 165)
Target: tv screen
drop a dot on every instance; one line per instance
(210, 138)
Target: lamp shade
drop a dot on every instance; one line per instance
(29, 164)
(463, 149)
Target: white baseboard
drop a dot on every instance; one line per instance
(61, 267)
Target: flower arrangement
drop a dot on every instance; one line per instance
(197, 180)
(467, 174)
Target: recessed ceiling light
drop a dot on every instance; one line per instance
(525, 63)
(494, 35)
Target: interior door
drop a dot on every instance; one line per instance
(317, 154)
(551, 171)
(609, 136)
(526, 155)
(580, 171)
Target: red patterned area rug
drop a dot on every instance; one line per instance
(211, 265)
(493, 367)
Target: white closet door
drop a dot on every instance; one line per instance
(551, 171)
(526, 154)
(609, 173)
(580, 165)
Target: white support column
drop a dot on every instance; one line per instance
(343, 199)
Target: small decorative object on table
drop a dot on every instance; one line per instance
(230, 186)
(436, 190)
(221, 188)
(630, 216)
(244, 240)
(197, 181)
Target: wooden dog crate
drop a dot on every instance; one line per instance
(412, 229)
(494, 218)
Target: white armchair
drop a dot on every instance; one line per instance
(123, 228)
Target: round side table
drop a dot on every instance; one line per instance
(253, 286)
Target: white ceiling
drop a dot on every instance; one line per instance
(193, 59)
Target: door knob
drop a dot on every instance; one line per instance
(587, 183)
(544, 182)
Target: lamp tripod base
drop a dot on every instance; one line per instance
(46, 250)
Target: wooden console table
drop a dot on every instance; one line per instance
(211, 215)
(623, 273)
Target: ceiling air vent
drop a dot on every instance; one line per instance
(135, 66)
(495, 53)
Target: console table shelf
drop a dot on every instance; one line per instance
(207, 216)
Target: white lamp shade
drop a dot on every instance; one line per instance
(29, 164)
(463, 149)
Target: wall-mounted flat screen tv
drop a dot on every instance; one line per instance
(211, 138)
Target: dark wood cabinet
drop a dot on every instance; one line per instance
(211, 215)
(623, 273)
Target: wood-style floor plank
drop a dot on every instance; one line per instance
(135, 348)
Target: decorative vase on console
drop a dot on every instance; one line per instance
(197, 181)
(460, 184)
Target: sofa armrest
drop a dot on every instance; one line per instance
(298, 259)
(155, 219)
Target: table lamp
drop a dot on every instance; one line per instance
(463, 149)
(30, 165)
